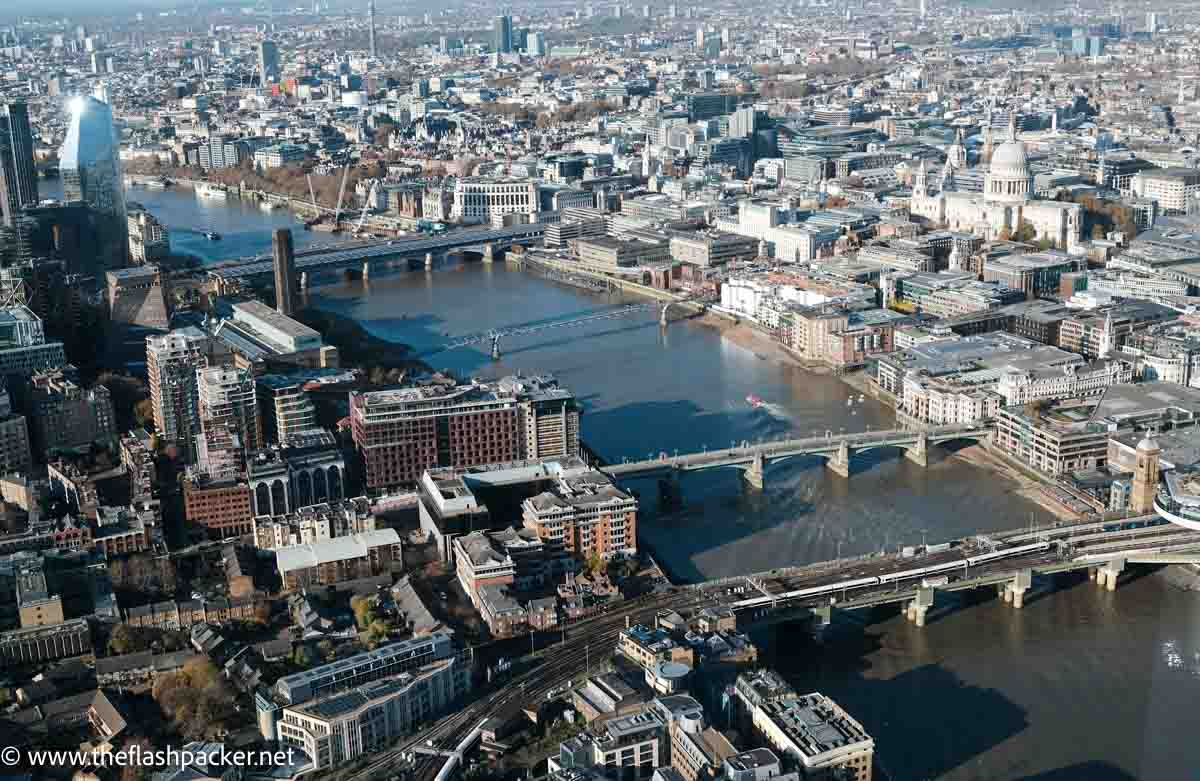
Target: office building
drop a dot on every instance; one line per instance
(1174, 189)
(708, 105)
(18, 177)
(222, 506)
(16, 455)
(284, 261)
(23, 346)
(387, 661)
(536, 44)
(268, 61)
(66, 416)
(344, 727)
(818, 735)
(340, 559)
(90, 166)
(502, 27)
(279, 155)
(479, 199)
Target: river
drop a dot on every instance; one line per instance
(245, 228)
(1080, 684)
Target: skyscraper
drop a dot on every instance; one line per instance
(171, 363)
(18, 177)
(371, 25)
(268, 61)
(504, 34)
(90, 166)
(284, 261)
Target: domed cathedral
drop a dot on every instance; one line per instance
(1008, 200)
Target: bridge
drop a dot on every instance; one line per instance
(496, 334)
(405, 251)
(915, 582)
(752, 458)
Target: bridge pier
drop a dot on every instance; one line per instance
(755, 474)
(489, 253)
(670, 492)
(1014, 592)
(919, 607)
(919, 452)
(1106, 576)
(428, 260)
(839, 463)
(366, 274)
(304, 280)
(822, 620)
(495, 347)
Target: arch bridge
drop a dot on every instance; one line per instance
(752, 458)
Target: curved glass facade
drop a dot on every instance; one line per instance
(90, 166)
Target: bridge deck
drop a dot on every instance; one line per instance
(746, 453)
(383, 249)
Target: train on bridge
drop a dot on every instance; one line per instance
(892, 577)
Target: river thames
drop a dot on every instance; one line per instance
(1080, 684)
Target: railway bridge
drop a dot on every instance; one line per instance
(364, 256)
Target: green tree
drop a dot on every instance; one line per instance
(303, 656)
(122, 640)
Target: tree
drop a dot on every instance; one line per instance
(364, 615)
(594, 563)
(143, 412)
(122, 640)
(303, 656)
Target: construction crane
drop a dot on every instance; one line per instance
(337, 212)
(370, 199)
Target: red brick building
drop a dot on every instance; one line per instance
(400, 433)
(222, 507)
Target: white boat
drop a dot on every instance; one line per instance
(211, 191)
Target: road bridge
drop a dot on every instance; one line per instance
(365, 255)
(752, 458)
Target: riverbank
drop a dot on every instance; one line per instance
(1028, 487)
(382, 360)
(759, 342)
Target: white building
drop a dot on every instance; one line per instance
(477, 199)
(1006, 205)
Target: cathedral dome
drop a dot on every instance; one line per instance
(1010, 162)
(1009, 179)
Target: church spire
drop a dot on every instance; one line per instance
(1012, 126)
